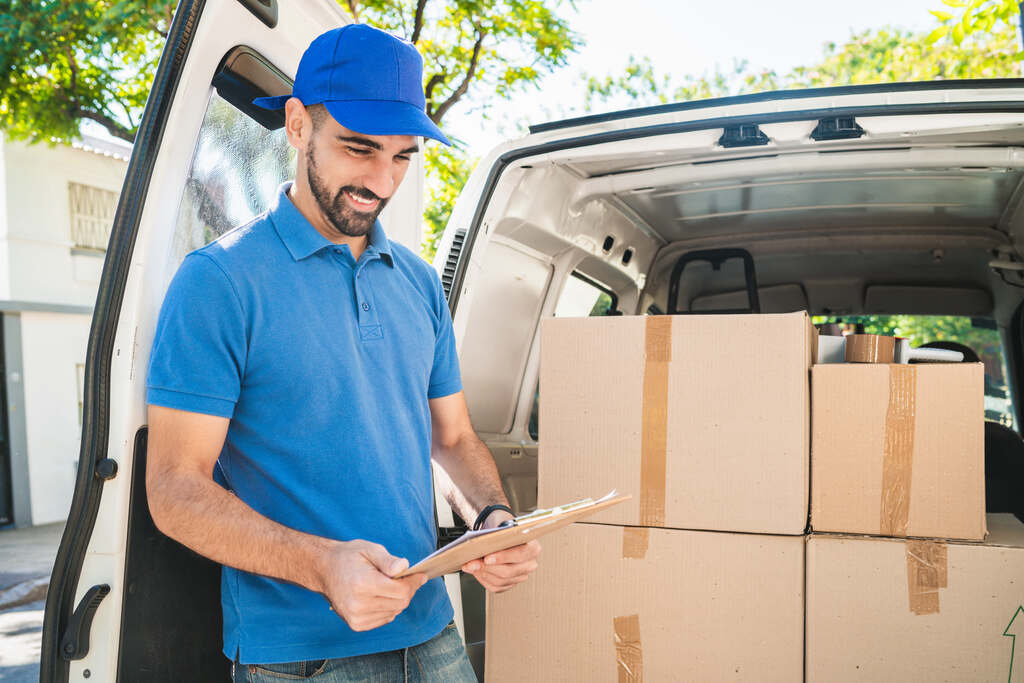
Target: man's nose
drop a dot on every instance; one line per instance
(379, 180)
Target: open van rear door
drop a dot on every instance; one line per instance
(125, 602)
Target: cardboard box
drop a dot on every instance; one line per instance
(881, 609)
(703, 419)
(898, 450)
(612, 603)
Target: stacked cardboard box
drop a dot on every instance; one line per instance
(887, 609)
(898, 450)
(716, 427)
(898, 586)
(703, 419)
(614, 603)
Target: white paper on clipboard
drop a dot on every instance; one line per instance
(476, 544)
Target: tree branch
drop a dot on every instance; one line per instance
(417, 24)
(112, 126)
(168, 18)
(352, 8)
(464, 86)
(428, 89)
(74, 69)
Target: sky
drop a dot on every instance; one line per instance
(684, 37)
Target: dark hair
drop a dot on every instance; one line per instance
(317, 112)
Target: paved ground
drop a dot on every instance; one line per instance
(20, 631)
(26, 560)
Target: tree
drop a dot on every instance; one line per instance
(63, 62)
(449, 169)
(982, 42)
(977, 17)
(482, 48)
(492, 47)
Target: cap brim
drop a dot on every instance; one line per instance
(383, 117)
(272, 103)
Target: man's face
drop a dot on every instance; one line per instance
(352, 176)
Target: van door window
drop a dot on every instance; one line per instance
(236, 169)
(581, 298)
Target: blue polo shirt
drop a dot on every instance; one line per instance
(324, 365)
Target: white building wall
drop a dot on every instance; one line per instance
(49, 287)
(5, 280)
(42, 265)
(53, 344)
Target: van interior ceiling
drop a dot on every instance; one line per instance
(890, 222)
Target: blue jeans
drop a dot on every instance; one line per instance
(442, 659)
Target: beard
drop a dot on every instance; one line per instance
(336, 209)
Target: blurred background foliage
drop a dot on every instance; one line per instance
(67, 62)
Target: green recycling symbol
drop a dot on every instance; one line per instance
(1011, 632)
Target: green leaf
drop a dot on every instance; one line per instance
(936, 35)
(958, 34)
(940, 15)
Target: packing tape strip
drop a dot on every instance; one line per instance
(634, 542)
(927, 572)
(870, 348)
(628, 654)
(654, 427)
(898, 454)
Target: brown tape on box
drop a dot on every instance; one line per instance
(654, 419)
(634, 543)
(926, 573)
(628, 654)
(897, 462)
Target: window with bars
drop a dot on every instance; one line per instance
(92, 215)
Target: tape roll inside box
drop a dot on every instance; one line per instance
(898, 450)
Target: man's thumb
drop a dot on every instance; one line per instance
(385, 562)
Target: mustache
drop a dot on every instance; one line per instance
(360, 192)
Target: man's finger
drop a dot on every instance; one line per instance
(382, 586)
(516, 554)
(367, 622)
(500, 585)
(385, 562)
(508, 571)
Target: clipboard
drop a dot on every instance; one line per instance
(476, 544)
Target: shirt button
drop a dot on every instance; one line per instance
(366, 306)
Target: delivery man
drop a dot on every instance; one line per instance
(302, 376)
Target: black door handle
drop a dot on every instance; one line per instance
(75, 643)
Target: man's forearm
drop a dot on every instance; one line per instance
(198, 513)
(474, 478)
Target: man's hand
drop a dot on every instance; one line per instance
(356, 579)
(504, 569)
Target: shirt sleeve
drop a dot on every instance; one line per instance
(445, 378)
(198, 357)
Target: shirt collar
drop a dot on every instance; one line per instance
(303, 240)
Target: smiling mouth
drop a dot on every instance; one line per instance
(361, 203)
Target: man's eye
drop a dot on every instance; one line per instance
(360, 151)
(403, 157)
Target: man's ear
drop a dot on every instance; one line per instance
(298, 124)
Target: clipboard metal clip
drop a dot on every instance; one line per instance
(550, 512)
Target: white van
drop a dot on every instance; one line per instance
(861, 201)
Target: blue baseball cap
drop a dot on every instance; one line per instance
(370, 81)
